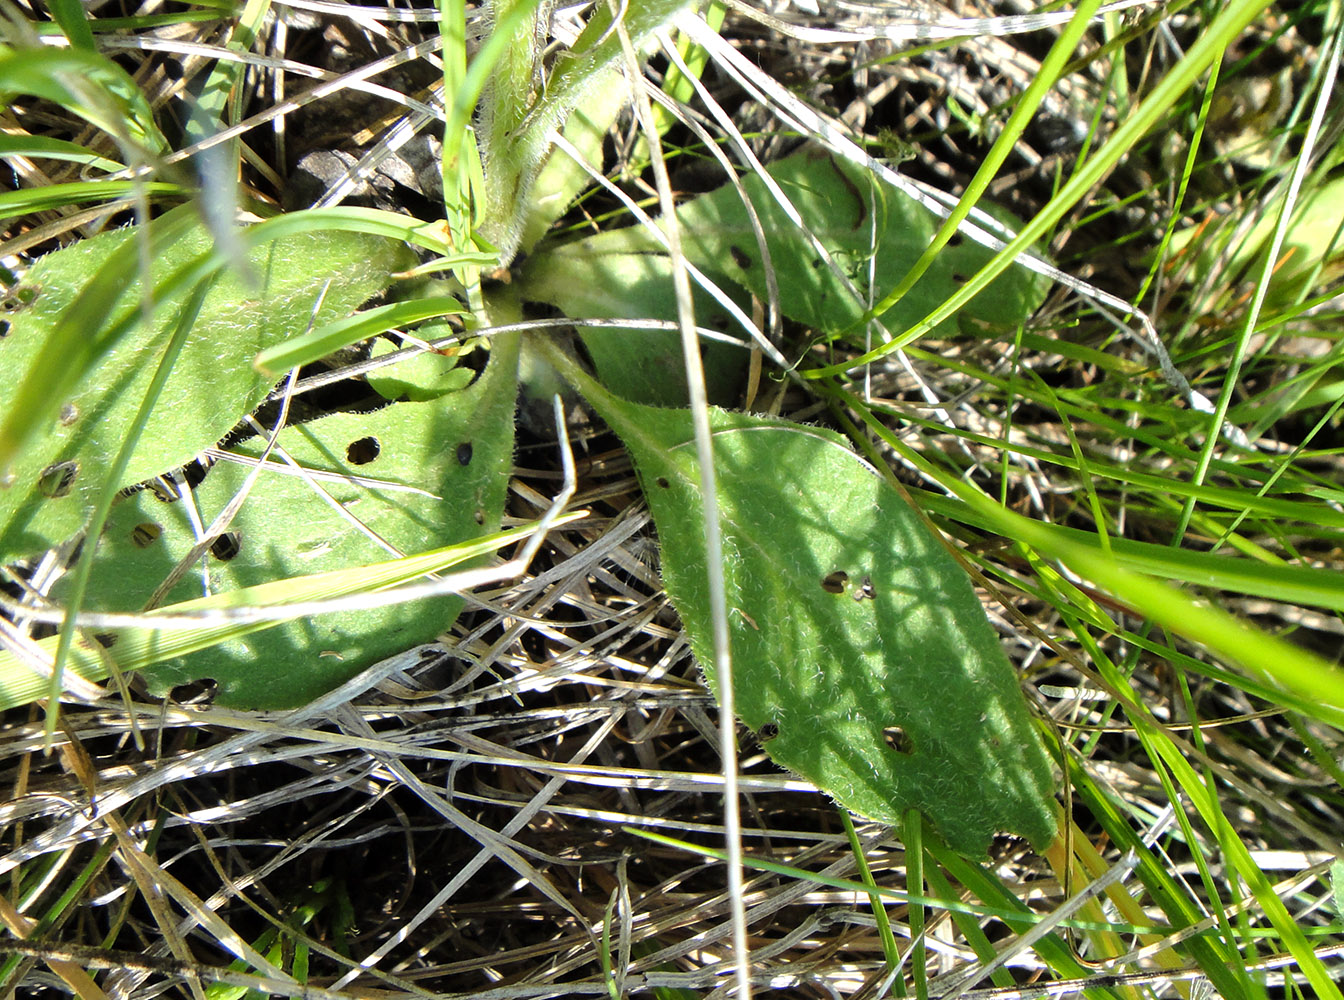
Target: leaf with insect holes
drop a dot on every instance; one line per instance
(861, 655)
(56, 477)
(416, 475)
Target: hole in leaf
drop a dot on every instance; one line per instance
(4, 328)
(199, 692)
(20, 298)
(363, 451)
(226, 546)
(896, 738)
(835, 583)
(57, 479)
(955, 240)
(105, 639)
(865, 590)
(767, 732)
(740, 258)
(195, 472)
(662, 482)
(146, 534)
(958, 277)
(464, 453)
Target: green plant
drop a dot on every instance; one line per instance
(910, 622)
(860, 655)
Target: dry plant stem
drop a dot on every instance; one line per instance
(704, 448)
(71, 972)
(493, 845)
(32, 656)
(321, 91)
(1132, 980)
(1086, 896)
(85, 957)
(911, 30)
(82, 819)
(1083, 899)
(156, 885)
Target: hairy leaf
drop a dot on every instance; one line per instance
(585, 281)
(861, 655)
(429, 474)
(54, 478)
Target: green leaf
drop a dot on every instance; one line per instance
(54, 149)
(144, 645)
(561, 179)
(49, 197)
(861, 655)
(873, 232)
(69, 14)
(434, 474)
(86, 83)
(421, 377)
(514, 125)
(626, 274)
(587, 281)
(80, 342)
(313, 346)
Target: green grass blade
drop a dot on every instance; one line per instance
(349, 330)
(1317, 683)
(152, 641)
(89, 85)
(1209, 46)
